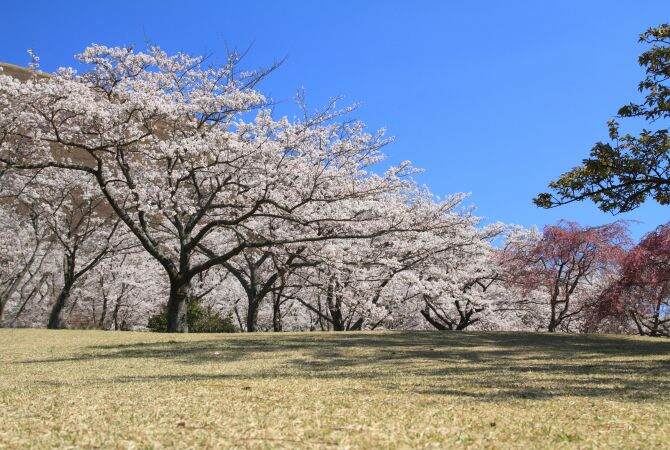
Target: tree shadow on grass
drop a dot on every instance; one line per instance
(480, 366)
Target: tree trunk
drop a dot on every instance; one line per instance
(177, 307)
(55, 320)
(252, 314)
(465, 315)
(426, 315)
(103, 313)
(115, 315)
(276, 315)
(553, 323)
(357, 326)
(333, 304)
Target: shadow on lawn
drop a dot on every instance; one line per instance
(483, 366)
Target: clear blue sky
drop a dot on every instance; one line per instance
(495, 98)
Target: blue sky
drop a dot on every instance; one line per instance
(495, 98)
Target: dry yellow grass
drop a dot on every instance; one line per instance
(349, 390)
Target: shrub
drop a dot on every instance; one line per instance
(200, 320)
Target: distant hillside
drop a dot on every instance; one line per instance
(15, 71)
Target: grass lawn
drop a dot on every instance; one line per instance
(346, 390)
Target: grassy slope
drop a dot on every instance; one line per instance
(89, 388)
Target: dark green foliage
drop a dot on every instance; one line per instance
(200, 320)
(620, 175)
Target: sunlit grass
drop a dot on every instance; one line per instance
(353, 390)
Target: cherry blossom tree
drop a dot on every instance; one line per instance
(642, 291)
(567, 263)
(262, 273)
(376, 282)
(81, 230)
(459, 292)
(121, 292)
(25, 249)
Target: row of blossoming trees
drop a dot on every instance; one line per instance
(150, 182)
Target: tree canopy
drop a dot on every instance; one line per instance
(622, 174)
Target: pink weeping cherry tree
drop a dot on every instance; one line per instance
(567, 265)
(642, 291)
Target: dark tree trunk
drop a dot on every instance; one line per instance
(463, 324)
(55, 319)
(465, 315)
(276, 315)
(433, 321)
(357, 326)
(324, 327)
(553, 323)
(177, 307)
(115, 315)
(103, 313)
(252, 314)
(333, 304)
